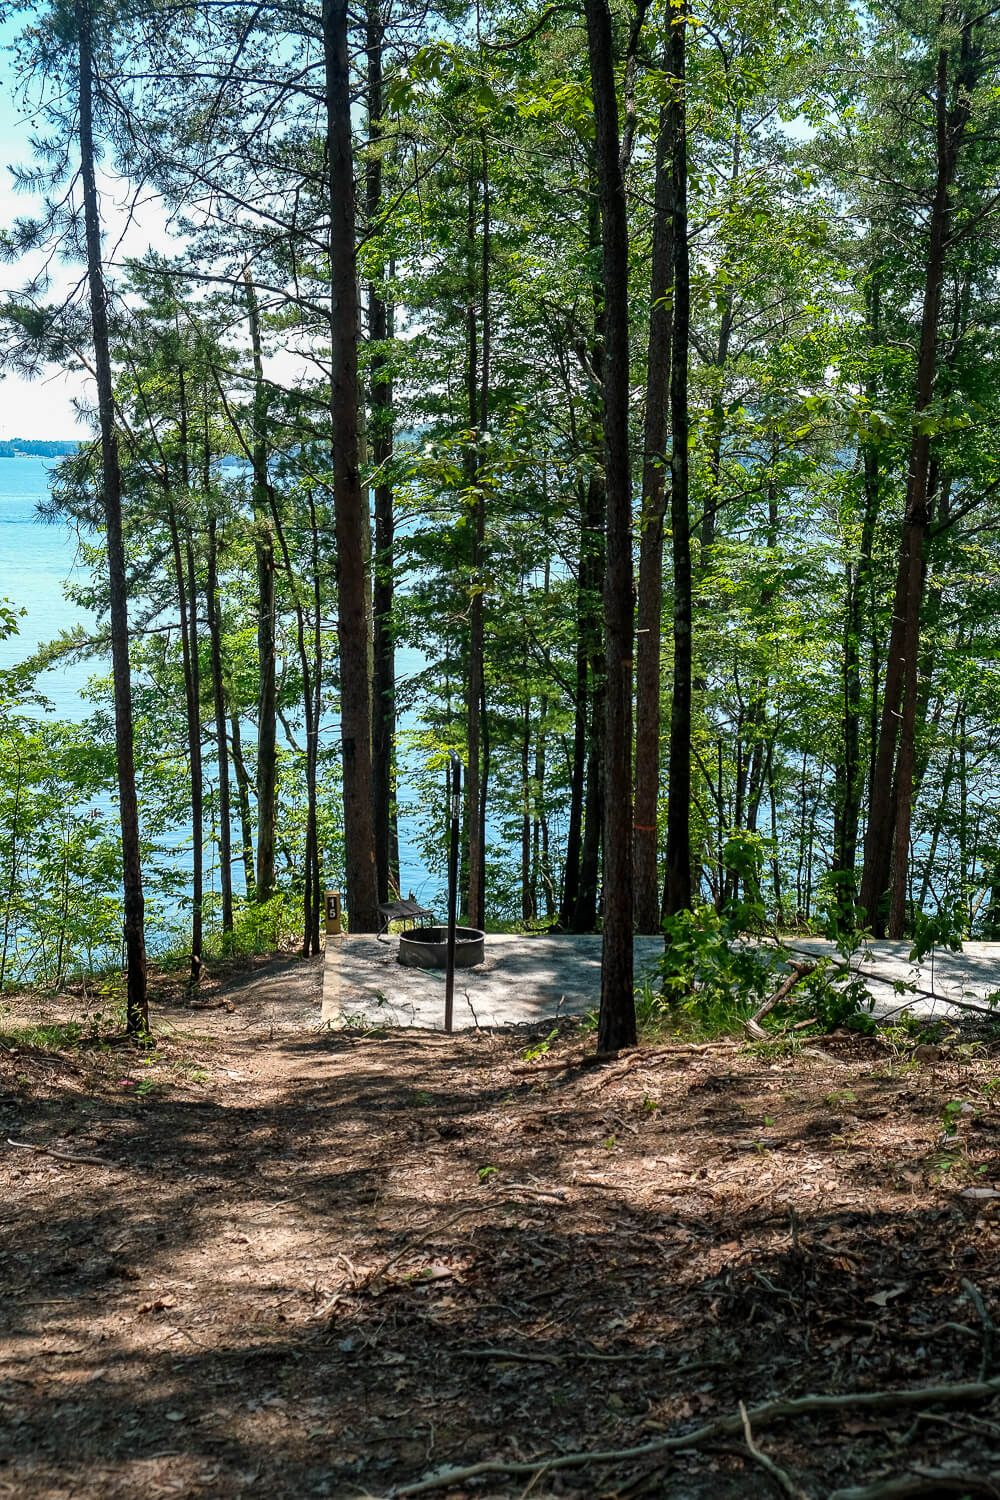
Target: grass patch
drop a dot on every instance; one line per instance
(53, 1036)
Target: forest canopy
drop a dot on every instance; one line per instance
(605, 393)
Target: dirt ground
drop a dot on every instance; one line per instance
(274, 1261)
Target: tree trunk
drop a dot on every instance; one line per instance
(380, 427)
(12, 874)
(243, 797)
(197, 782)
(584, 918)
(779, 911)
(574, 831)
(888, 835)
(311, 900)
(213, 614)
(616, 1026)
(479, 395)
(541, 870)
(350, 501)
(184, 604)
(850, 777)
(678, 886)
(315, 909)
(267, 709)
(528, 911)
(942, 811)
(137, 1012)
(650, 605)
(991, 921)
(188, 599)
(727, 308)
(593, 565)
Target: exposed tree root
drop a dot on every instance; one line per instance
(760, 1416)
(921, 1482)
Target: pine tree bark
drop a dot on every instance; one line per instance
(585, 907)
(192, 676)
(137, 1010)
(213, 616)
(590, 622)
(528, 909)
(716, 424)
(478, 378)
(617, 1025)
(850, 776)
(351, 523)
(184, 605)
(197, 780)
(314, 907)
(887, 836)
(267, 705)
(243, 799)
(380, 427)
(574, 831)
(650, 603)
(678, 886)
(310, 700)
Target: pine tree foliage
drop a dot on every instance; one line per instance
(461, 317)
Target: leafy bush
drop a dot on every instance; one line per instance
(712, 979)
(257, 929)
(708, 979)
(835, 998)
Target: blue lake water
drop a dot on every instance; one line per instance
(37, 561)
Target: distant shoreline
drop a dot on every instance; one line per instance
(37, 447)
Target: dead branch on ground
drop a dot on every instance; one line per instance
(799, 972)
(725, 1426)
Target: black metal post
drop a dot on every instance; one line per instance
(455, 805)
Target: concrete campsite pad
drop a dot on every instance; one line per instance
(523, 978)
(532, 978)
(972, 975)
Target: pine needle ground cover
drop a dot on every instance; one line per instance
(269, 1261)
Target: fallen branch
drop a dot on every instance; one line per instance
(519, 1356)
(975, 1296)
(861, 971)
(672, 1049)
(90, 1161)
(661, 1054)
(799, 972)
(761, 1416)
(555, 1194)
(784, 1481)
(579, 1060)
(546, 1067)
(921, 1482)
(527, 1357)
(635, 1058)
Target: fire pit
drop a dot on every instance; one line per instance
(427, 947)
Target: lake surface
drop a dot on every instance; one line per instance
(37, 561)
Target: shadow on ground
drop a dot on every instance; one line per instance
(385, 1255)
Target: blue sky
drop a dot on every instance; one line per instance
(43, 408)
(39, 409)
